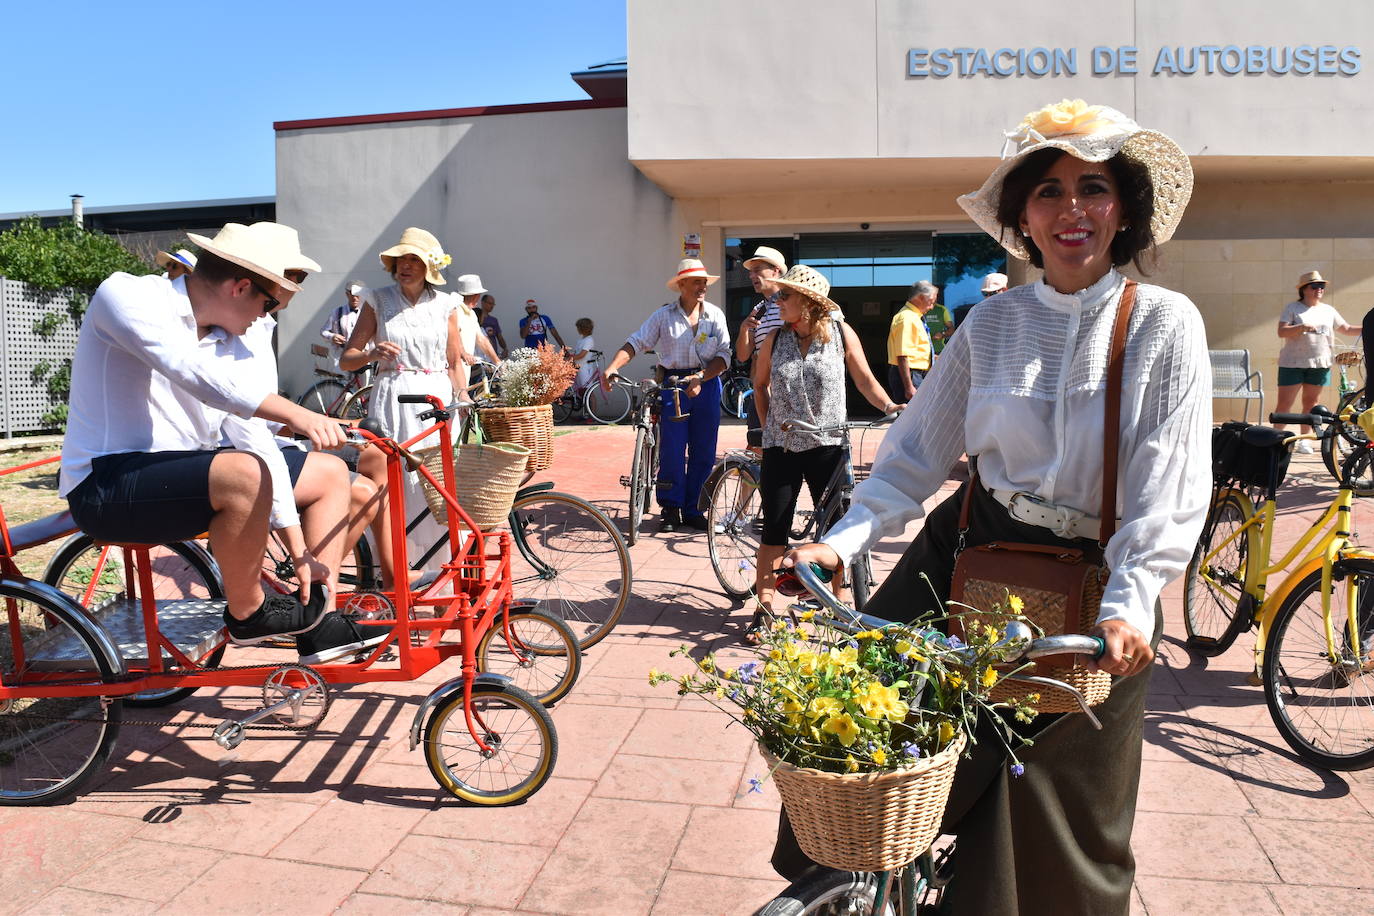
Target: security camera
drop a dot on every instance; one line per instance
(863, 225)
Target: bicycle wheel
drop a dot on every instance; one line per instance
(861, 579)
(641, 473)
(50, 746)
(563, 407)
(828, 892)
(94, 577)
(355, 408)
(544, 661)
(325, 396)
(732, 396)
(356, 571)
(1323, 702)
(516, 728)
(607, 406)
(732, 535)
(1335, 448)
(1216, 606)
(571, 560)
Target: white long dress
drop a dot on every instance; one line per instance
(421, 331)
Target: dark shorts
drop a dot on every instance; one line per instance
(780, 484)
(1289, 376)
(895, 389)
(152, 497)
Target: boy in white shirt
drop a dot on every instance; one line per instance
(582, 354)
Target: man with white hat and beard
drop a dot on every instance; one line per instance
(339, 325)
(158, 366)
(693, 349)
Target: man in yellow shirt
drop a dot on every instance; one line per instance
(908, 343)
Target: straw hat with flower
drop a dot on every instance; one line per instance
(1093, 133)
(812, 284)
(424, 246)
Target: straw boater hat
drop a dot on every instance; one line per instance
(470, 285)
(810, 283)
(768, 256)
(994, 283)
(1093, 133)
(1312, 276)
(182, 257)
(424, 246)
(267, 249)
(690, 267)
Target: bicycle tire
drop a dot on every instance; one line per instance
(1324, 707)
(324, 396)
(1216, 607)
(640, 474)
(607, 407)
(519, 731)
(732, 538)
(861, 579)
(47, 763)
(570, 559)
(1335, 449)
(545, 663)
(180, 570)
(563, 408)
(355, 408)
(358, 571)
(828, 892)
(735, 387)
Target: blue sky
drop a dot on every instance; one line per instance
(133, 102)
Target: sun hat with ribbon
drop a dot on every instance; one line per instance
(687, 268)
(470, 285)
(994, 283)
(182, 257)
(267, 249)
(424, 246)
(1093, 133)
(1312, 276)
(768, 256)
(810, 282)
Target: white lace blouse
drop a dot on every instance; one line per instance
(1021, 385)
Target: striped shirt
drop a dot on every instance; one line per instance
(680, 346)
(770, 322)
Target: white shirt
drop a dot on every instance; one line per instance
(679, 346)
(142, 380)
(257, 435)
(1310, 349)
(1022, 386)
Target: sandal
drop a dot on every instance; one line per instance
(758, 628)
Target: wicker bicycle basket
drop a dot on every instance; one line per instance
(531, 427)
(486, 478)
(867, 821)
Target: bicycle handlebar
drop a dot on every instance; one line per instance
(803, 426)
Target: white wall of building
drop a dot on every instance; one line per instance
(542, 205)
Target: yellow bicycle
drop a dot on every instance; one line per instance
(1314, 651)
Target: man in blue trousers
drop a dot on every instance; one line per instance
(689, 336)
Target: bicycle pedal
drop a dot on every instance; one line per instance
(624, 480)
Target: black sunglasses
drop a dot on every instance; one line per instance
(783, 295)
(269, 302)
(1317, 285)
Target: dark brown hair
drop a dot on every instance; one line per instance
(1133, 186)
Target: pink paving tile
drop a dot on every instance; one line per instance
(693, 735)
(1318, 901)
(1168, 845)
(65, 901)
(690, 894)
(1177, 787)
(250, 884)
(725, 841)
(154, 872)
(633, 661)
(457, 871)
(243, 824)
(612, 859)
(45, 847)
(589, 736)
(1212, 898)
(1313, 852)
(539, 821)
(1137, 905)
(1279, 785)
(349, 834)
(377, 905)
(692, 782)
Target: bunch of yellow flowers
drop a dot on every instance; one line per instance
(870, 701)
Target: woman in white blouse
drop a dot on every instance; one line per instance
(1021, 386)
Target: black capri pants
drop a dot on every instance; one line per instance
(780, 485)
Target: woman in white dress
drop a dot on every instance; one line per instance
(410, 330)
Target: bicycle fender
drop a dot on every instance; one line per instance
(1275, 600)
(80, 618)
(704, 497)
(443, 690)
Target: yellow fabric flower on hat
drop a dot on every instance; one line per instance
(842, 727)
(1071, 118)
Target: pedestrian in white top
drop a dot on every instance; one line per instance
(157, 365)
(339, 325)
(582, 353)
(475, 343)
(1307, 328)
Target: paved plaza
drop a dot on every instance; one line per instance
(648, 811)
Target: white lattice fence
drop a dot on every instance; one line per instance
(24, 397)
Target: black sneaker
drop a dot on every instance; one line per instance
(336, 637)
(279, 615)
(670, 520)
(695, 522)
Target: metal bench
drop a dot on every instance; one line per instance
(1232, 378)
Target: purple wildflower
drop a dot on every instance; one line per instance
(854, 644)
(1017, 770)
(954, 642)
(748, 672)
(911, 750)
(755, 784)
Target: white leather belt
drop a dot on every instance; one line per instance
(1031, 509)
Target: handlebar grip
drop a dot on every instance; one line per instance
(412, 399)
(1306, 419)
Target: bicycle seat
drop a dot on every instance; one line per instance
(40, 531)
(1263, 436)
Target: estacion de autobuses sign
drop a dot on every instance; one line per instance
(1102, 60)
